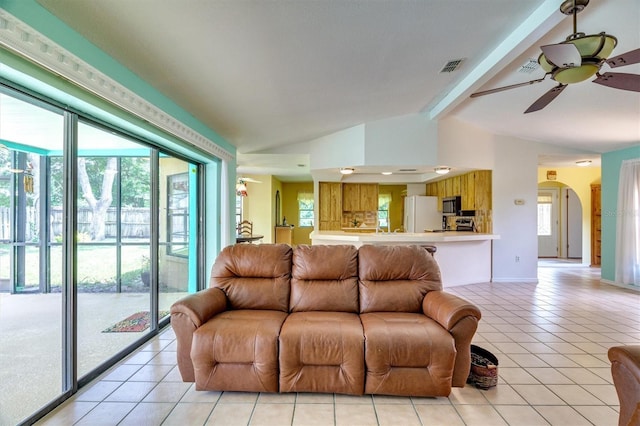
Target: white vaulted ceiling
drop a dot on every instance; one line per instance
(267, 75)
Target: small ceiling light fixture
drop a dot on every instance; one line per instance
(583, 163)
(442, 170)
(346, 170)
(387, 173)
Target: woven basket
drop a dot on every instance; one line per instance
(484, 368)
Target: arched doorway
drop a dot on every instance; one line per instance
(559, 222)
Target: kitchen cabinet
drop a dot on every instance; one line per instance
(448, 188)
(369, 197)
(468, 191)
(455, 186)
(441, 192)
(330, 208)
(596, 224)
(482, 190)
(350, 197)
(284, 235)
(358, 197)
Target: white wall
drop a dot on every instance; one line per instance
(515, 176)
(341, 149)
(465, 146)
(413, 139)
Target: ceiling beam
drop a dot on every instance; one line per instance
(541, 21)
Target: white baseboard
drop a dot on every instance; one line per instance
(515, 280)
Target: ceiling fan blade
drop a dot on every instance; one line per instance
(619, 80)
(546, 99)
(501, 89)
(628, 58)
(250, 180)
(562, 55)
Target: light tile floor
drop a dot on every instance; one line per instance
(551, 339)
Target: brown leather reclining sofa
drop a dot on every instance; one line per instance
(333, 319)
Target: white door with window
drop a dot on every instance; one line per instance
(548, 222)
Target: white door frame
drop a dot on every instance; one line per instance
(571, 224)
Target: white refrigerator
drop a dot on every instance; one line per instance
(421, 213)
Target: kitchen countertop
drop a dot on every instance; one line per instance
(454, 248)
(405, 237)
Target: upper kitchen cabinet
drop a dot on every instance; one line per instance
(468, 191)
(473, 187)
(482, 190)
(350, 197)
(330, 208)
(369, 196)
(359, 197)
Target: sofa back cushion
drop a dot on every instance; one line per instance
(396, 278)
(324, 278)
(254, 276)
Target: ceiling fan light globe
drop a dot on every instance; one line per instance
(544, 63)
(575, 74)
(597, 46)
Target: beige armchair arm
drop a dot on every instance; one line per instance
(460, 318)
(189, 313)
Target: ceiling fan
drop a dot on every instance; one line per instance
(241, 188)
(578, 58)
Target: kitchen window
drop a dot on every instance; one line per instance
(305, 209)
(384, 200)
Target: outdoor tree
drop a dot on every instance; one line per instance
(99, 206)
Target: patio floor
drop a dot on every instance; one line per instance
(31, 343)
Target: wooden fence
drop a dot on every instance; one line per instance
(134, 222)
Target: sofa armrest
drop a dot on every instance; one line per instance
(189, 313)
(460, 318)
(625, 370)
(447, 309)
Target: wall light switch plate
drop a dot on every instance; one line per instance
(518, 202)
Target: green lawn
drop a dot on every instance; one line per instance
(96, 265)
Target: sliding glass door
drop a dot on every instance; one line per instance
(113, 244)
(31, 321)
(98, 237)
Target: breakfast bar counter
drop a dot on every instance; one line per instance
(463, 257)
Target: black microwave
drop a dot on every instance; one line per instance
(451, 205)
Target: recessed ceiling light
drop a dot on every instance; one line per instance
(583, 163)
(387, 173)
(346, 170)
(442, 170)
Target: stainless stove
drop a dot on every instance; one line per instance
(465, 224)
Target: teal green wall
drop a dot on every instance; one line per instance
(30, 76)
(611, 163)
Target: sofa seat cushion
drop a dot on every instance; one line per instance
(238, 351)
(322, 352)
(407, 354)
